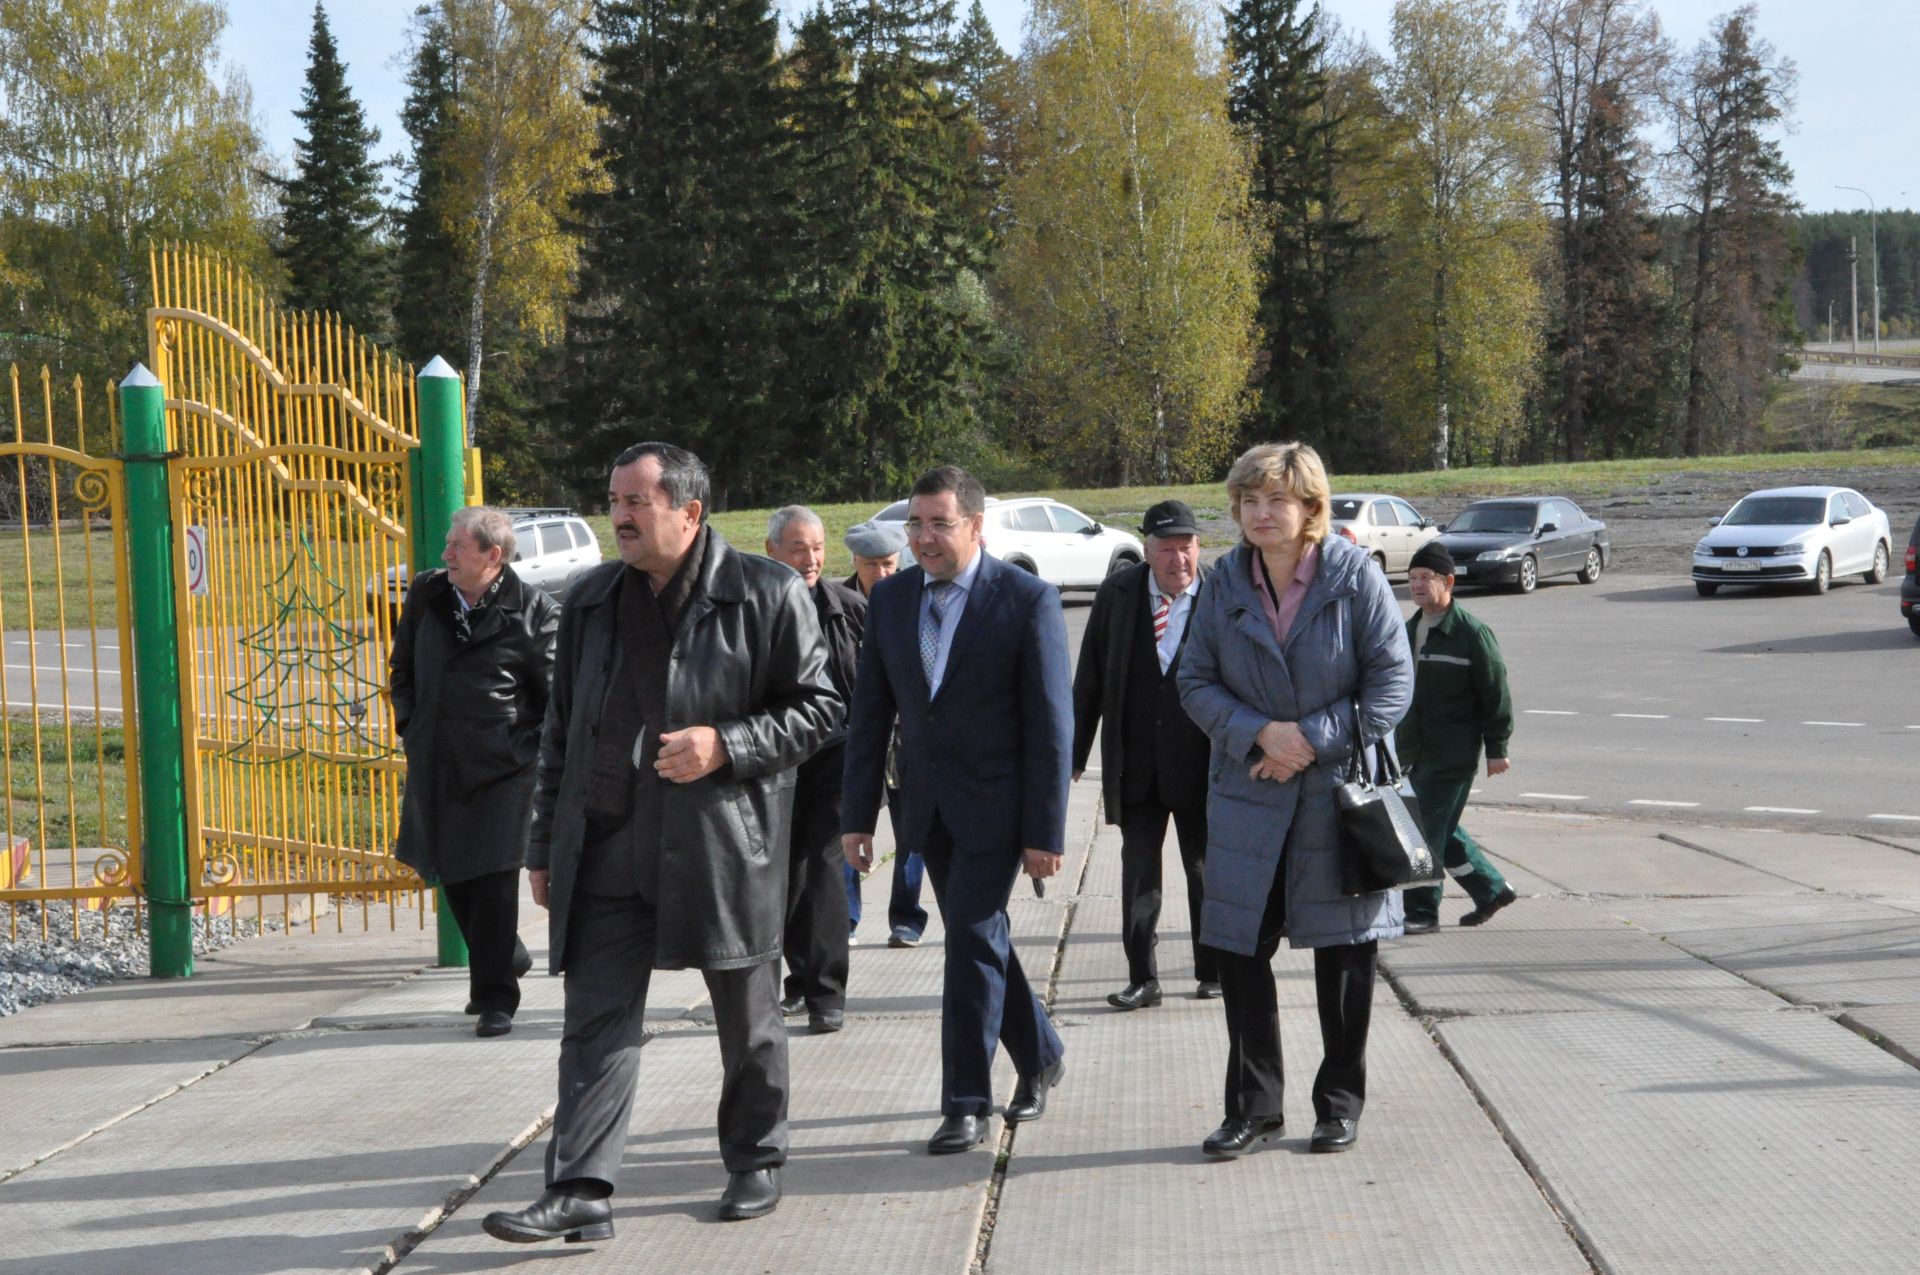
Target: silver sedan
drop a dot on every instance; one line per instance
(1386, 526)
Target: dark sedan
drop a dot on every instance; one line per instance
(1910, 586)
(1521, 540)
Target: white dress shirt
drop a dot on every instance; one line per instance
(1169, 644)
(950, 618)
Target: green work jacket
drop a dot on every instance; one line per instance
(1460, 698)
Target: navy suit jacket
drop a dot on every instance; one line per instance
(991, 753)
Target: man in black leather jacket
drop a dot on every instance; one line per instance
(689, 682)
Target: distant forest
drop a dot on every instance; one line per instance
(1824, 278)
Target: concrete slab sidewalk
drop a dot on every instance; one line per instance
(1620, 1073)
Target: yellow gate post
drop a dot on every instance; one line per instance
(441, 464)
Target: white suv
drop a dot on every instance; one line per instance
(1056, 542)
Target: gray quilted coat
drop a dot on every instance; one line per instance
(1234, 679)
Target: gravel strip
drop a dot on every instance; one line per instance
(34, 970)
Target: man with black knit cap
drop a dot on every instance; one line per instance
(1460, 705)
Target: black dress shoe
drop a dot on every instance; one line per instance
(792, 1005)
(957, 1134)
(1334, 1135)
(1136, 995)
(1030, 1095)
(556, 1215)
(495, 1022)
(823, 1021)
(1238, 1135)
(752, 1194)
(1209, 990)
(1481, 915)
(1420, 927)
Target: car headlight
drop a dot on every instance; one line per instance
(1495, 555)
(1787, 551)
(1702, 550)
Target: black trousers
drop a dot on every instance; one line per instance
(1143, 835)
(610, 948)
(815, 941)
(1343, 991)
(487, 910)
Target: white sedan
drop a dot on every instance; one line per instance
(1794, 535)
(1056, 542)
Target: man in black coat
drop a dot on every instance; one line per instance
(688, 683)
(817, 907)
(468, 677)
(1153, 759)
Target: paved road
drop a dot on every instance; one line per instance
(1863, 372)
(1639, 698)
(1636, 698)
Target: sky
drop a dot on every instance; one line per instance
(1852, 116)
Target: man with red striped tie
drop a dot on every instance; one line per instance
(1153, 759)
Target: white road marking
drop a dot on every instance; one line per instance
(1554, 796)
(1650, 717)
(1899, 818)
(1833, 723)
(1682, 805)
(75, 669)
(1752, 721)
(1780, 810)
(1562, 712)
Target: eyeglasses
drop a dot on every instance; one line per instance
(940, 526)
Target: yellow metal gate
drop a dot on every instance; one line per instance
(291, 504)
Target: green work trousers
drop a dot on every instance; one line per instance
(1443, 799)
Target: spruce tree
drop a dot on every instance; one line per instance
(429, 271)
(678, 328)
(330, 208)
(1279, 96)
(889, 189)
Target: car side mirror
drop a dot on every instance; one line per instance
(1092, 529)
(1714, 521)
(1841, 521)
(1425, 523)
(1549, 527)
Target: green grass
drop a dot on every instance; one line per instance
(68, 554)
(93, 775)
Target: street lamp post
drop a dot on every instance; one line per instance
(1873, 231)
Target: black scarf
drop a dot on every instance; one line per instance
(463, 617)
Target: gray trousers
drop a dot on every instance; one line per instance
(610, 952)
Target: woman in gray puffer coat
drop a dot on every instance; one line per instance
(1296, 653)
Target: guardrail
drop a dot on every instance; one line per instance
(1861, 360)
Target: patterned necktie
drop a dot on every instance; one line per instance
(937, 598)
(1162, 608)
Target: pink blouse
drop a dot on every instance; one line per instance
(1282, 612)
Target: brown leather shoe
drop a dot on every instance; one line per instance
(1481, 915)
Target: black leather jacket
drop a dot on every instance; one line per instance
(750, 661)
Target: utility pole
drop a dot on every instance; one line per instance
(1853, 264)
(1830, 304)
(1873, 229)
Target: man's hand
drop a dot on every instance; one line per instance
(1039, 864)
(690, 754)
(1497, 766)
(858, 848)
(541, 881)
(1077, 774)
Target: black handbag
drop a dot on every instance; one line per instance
(1381, 845)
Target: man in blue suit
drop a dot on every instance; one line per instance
(971, 655)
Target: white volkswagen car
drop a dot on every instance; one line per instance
(1794, 535)
(1056, 542)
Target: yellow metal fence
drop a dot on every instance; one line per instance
(69, 815)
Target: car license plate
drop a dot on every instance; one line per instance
(1737, 565)
(1459, 569)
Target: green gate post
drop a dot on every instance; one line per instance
(156, 649)
(439, 488)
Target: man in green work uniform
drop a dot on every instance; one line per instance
(1460, 702)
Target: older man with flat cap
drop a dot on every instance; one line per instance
(876, 548)
(1153, 758)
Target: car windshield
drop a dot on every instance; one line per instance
(1777, 511)
(1346, 508)
(1498, 519)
